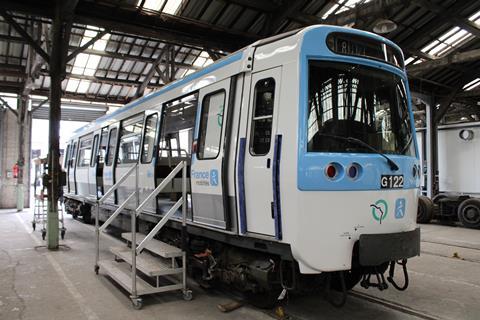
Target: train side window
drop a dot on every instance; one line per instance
(176, 135)
(149, 138)
(73, 155)
(130, 139)
(211, 125)
(85, 151)
(262, 118)
(67, 156)
(112, 143)
(102, 150)
(94, 150)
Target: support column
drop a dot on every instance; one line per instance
(21, 118)
(60, 36)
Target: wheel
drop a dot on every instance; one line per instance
(352, 277)
(425, 210)
(469, 213)
(33, 225)
(438, 197)
(137, 303)
(96, 268)
(187, 295)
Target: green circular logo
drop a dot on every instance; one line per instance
(379, 210)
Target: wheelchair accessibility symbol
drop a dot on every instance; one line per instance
(400, 208)
(214, 177)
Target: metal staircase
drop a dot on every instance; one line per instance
(145, 266)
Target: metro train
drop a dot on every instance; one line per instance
(303, 168)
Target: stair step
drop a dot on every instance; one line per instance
(146, 263)
(121, 273)
(156, 246)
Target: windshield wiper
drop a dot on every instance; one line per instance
(356, 141)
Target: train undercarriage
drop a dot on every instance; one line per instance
(263, 271)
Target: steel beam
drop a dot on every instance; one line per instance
(78, 50)
(25, 35)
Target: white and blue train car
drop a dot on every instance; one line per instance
(302, 160)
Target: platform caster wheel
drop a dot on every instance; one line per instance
(62, 234)
(187, 295)
(44, 234)
(96, 269)
(137, 303)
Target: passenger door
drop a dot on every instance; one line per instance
(207, 162)
(146, 166)
(71, 168)
(92, 170)
(110, 160)
(261, 129)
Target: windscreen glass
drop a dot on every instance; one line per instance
(351, 100)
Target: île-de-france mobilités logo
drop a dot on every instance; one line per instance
(379, 210)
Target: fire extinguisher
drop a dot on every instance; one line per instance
(15, 171)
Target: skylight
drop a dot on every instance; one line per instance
(167, 6)
(172, 6)
(342, 5)
(203, 60)
(472, 84)
(152, 4)
(452, 39)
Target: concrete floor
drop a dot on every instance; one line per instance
(38, 284)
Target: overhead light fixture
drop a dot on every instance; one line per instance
(384, 26)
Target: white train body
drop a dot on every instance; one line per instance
(266, 185)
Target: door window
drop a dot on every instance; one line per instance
(211, 125)
(262, 117)
(130, 139)
(178, 121)
(73, 155)
(112, 143)
(67, 156)
(94, 150)
(149, 138)
(85, 152)
(102, 150)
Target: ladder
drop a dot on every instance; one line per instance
(143, 268)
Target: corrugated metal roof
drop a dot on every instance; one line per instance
(114, 67)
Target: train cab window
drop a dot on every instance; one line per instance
(261, 132)
(112, 143)
(73, 155)
(211, 125)
(85, 151)
(102, 149)
(176, 136)
(130, 139)
(67, 156)
(94, 150)
(149, 138)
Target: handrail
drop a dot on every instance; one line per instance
(117, 184)
(160, 187)
(117, 212)
(159, 225)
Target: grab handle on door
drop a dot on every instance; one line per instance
(268, 163)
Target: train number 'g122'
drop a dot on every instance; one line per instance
(391, 181)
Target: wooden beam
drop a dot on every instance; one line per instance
(469, 94)
(75, 52)
(472, 55)
(25, 35)
(445, 15)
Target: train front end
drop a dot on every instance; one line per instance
(358, 172)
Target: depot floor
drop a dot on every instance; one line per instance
(38, 284)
